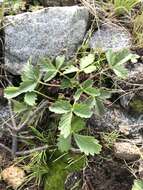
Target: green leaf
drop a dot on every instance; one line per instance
(120, 71)
(88, 89)
(30, 72)
(123, 57)
(70, 69)
(117, 60)
(49, 75)
(87, 83)
(64, 144)
(66, 83)
(19, 107)
(59, 61)
(86, 61)
(90, 101)
(77, 94)
(49, 69)
(27, 86)
(45, 64)
(138, 185)
(92, 91)
(78, 124)
(82, 110)
(90, 69)
(60, 107)
(104, 94)
(27, 71)
(11, 92)
(99, 107)
(30, 98)
(65, 124)
(110, 56)
(120, 57)
(87, 144)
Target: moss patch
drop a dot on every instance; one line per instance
(60, 169)
(137, 105)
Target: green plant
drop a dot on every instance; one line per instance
(110, 138)
(122, 6)
(13, 6)
(85, 95)
(37, 168)
(137, 30)
(44, 168)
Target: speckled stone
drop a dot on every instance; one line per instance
(47, 32)
(110, 37)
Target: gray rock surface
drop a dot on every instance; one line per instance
(135, 74)
(134, 78)
(110, 37)
(47, 32)
(4, 116)
(58, 2)
(115, 119)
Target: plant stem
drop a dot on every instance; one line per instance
(47, 97)
(32, 150)
(47, 84)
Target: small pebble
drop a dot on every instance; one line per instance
(126, 151)
(14, 176)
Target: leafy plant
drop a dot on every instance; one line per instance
(44, 168)
(13, 5)
(85, 98)
(117, 60)
(137, 30)
(124, 6)
(110, 138)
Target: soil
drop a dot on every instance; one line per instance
(106, 174)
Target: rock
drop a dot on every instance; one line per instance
(1, 159)
(4, 116)
(46, 3)
(126, 151)
(110, 36)
(115, 119)
(135, 73)
(14, 176)
(47, 32)
(133, 101)
(141, 169)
